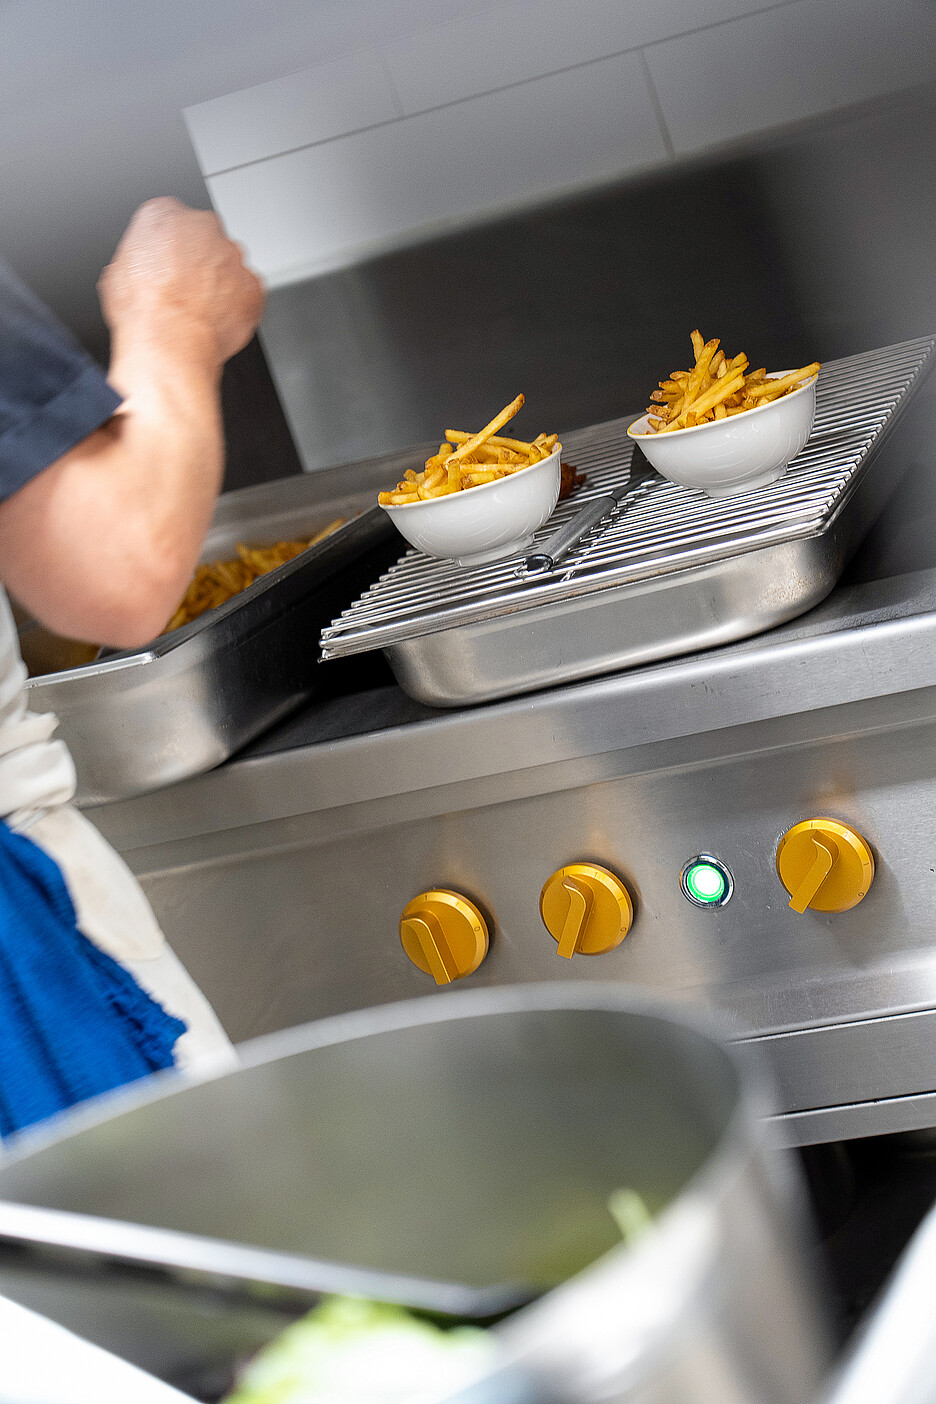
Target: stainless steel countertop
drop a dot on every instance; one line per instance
(872, 641)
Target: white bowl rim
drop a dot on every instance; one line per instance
(479, 487)
(712, 423)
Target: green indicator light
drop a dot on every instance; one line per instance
(706, 882)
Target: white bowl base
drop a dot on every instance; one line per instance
(496, 553)
(750, 486)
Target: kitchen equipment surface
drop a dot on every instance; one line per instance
(189, 700)
(672, 572)
(280, 878)
(556, 547)
(737, 454)
(478, 1137)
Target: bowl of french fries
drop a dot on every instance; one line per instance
(723, 427)
(481, 496)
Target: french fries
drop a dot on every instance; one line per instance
(717, 388)
(214, 584)
(464, 460)
(570, 480)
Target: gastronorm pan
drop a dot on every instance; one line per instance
(136, 721)
(668, 572)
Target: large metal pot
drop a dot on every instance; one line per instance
(477, 1138)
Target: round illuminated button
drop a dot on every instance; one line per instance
(706, 882)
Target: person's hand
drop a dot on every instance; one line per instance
(176, 265)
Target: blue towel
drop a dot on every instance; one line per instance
(73, 1023)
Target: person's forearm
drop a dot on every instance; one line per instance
(169, 429)
(101, 544)
(121, 518)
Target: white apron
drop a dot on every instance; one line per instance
(37, 781)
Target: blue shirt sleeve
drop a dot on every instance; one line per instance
(52, 394)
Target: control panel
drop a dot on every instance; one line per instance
(823, 864)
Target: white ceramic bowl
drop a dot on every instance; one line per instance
(733, 455)
(483, 523)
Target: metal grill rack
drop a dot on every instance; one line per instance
(658, 528)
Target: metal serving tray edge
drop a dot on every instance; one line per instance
(620, 627)
(138, 721)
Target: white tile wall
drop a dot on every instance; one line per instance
(528, 38)
(468, 54)
(496, 105)
(298, 110)
(789, 63)
(315, 208)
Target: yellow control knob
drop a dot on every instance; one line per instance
(444, 934)
(824, 864)
(586, 909)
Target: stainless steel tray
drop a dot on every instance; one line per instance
(137, 721)
(670, 572)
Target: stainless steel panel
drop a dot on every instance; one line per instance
(670, 571)
(874, 645)
(281, 925)
(425, 1138)
(280, 879)
(852, 1120)
(291, 919)
(818, 1067)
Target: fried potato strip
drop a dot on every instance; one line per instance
(216, 583)
(466, 460)
(717, 387)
